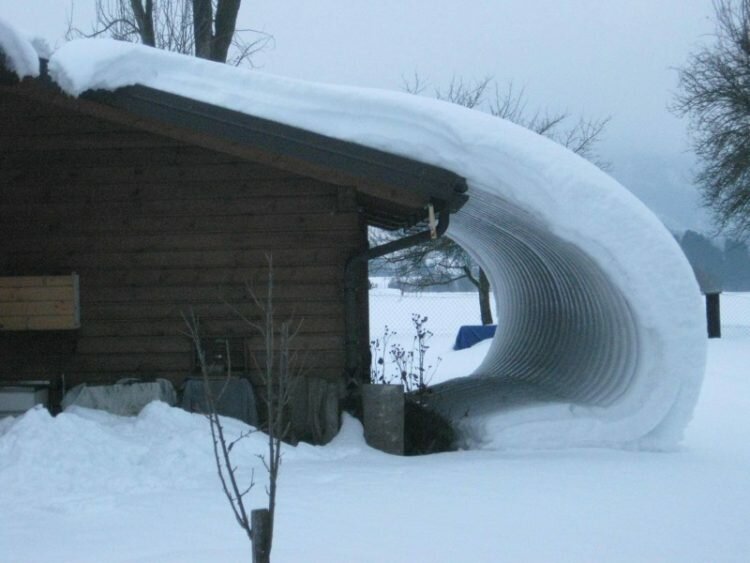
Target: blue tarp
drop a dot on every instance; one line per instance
(468, 335)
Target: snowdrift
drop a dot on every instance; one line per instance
(601, 338)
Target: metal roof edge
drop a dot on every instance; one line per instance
(287, 141)
(367, 165)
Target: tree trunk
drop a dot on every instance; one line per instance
(484, 298)
(226, 22)
(144, 20)
(203, 28)
(261, 526)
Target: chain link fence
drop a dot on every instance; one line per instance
(391, 323)
(446, 311)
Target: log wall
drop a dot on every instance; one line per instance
(154, 227)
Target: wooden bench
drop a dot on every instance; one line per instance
(39, 303)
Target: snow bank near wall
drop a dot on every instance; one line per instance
(602, 338)
(96, 453)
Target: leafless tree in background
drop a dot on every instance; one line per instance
(508, 102)
(714, 93)
(203, 28)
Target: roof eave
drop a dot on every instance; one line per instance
(404, 186)
(291, 146)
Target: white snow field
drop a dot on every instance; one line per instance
(603, 337)
(87, 486)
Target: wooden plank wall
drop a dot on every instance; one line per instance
(39, 303)
(154, 227)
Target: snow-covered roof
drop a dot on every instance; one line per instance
(601, 337)
(20, 55)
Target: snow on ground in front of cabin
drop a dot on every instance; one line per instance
(87, 486)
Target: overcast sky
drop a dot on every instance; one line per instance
(595, 58)
(591, 57)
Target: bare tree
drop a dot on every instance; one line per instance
(714, 93)
(226, 470)
(443, 262)
(580, 137)
(280, 369)
(435, 263)
(508, 102)
(203, 28)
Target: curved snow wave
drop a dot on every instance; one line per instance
(571, 363)
(601, 338)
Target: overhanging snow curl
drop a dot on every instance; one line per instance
(601, 338)
(576, 359)
(566, 335)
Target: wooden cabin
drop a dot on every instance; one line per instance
(121, 210)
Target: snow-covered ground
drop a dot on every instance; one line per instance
(735, 312)
(90, 487)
